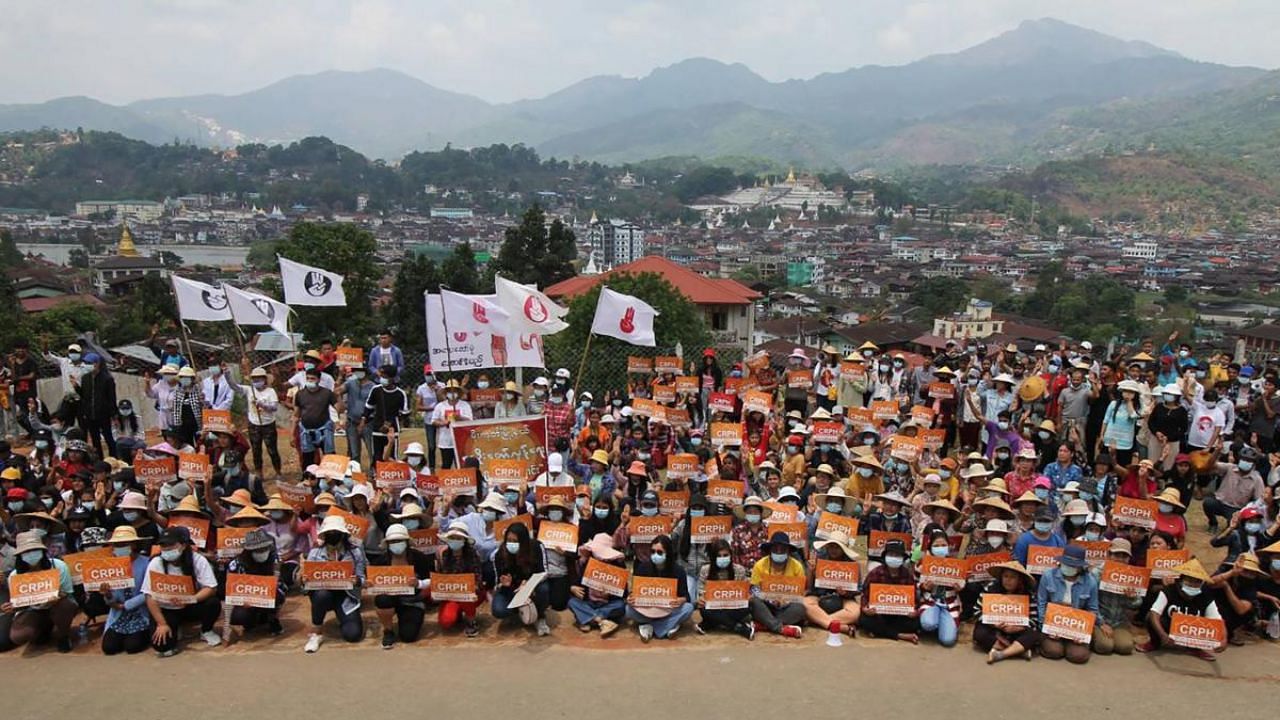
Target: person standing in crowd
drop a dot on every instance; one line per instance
(384, 413)
(261, 403)
(385, 353)
(98, 407)
(446, 412)
(354, 393)
(313, 426)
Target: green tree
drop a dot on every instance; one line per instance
(406, 312)
(1176, 295)
(679, 321)
(704, 181)
(78, 257)
(345, 249)
(11, 317)
(941, 295)
(150, 303)
(262, 254)
(459, 272)
(532, 253)
(10, 255)
(169, 259)
(63, 323)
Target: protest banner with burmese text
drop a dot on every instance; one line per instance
(522, 440)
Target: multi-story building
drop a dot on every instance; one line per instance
(616, 242)
(140, 210)
(974, 322)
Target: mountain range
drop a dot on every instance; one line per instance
(1045, 89)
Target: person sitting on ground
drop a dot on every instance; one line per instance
(894, 570)
(779, 559)
(128, 626)
(1186, 596)
(51, 619)
(834, 609)
(722, 567)
(458, 556)
(258, 557)
(405, 612)
(517, 560)
(592, 607)
(1003, 641)
(177, 558)
(662, 623)
(1070, 583)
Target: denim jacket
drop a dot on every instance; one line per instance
(1053, 589)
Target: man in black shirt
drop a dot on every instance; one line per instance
(22, 371)
(311, 413)
(387, 406)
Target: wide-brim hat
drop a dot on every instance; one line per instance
(512, 387)
(1171, 496)
(1249, 563)
(1004, 378)
(458, 531)
(601, 548)
(333, 523)
(997, 503)
(941, 504)
(275, 502)
(556, 502)
(892, 496)
(1031, 388)
(258, 540)
(767, 466)
(601, 457)
(29, 540)
(133, 501)
(778, 538)
(189, 505)
(239, 498)
(494, 501)
(836, 493)
(1132, 386)
(975, 471)
(23, 522)
(868, 345)
(411, 510)
(977, 457)
(249, 514)
(753, 501)
(867, 460)
(1076, 507)
(395, 531)
(820, 414)
(841, 540)
(638, 467)
(1272, 548)
(944, 370)
(995, 526)
(325, 499)
(1028, 496)
(125, 535)
(1011, 566)
(1193, 569)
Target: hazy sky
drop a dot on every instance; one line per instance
(124, 50)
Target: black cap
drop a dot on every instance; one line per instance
(174, 535)
(895, 547)
(780, 538)
(1043, 513)
(649, 496)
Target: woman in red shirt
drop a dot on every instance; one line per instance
(1139, 482)
(1169, 516)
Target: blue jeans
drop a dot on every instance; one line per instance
(937, 619)
(313, 439)
(584, 611)
(663, 626)
(357, 442)
(502, 598)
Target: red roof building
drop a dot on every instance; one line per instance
(728, 305)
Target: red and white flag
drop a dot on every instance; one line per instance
(627, 318)
(472, 313)
(530, 311)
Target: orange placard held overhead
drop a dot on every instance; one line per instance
(836, 575)
(558, 536)
(757, 401)
(644, 407)
(457, 481)
(194, 467)
(231, 541)
(827, 432)
(1163, 562)
(892, 599)
(154, 473)
(703, 530)
(677, 418)
(663, 394)
(605, 578)
(1042, 558)
(391, 580)
(349, 357)
(544, 494)
(457, 587)
(1068, 623)
(673, 503)
(655, 592)
(725, 434)
(682, 466)
(256, 591)
(942, 390)
(948, 571)
(643, 529)
(667, 364)
(197, 527)
(782, 589)
(298, 496)
(1199, 633)
(172, 589)
(852, 372)
(799, 379)
(687, 384)
(877, 539)
(1006, 609)
(357, 527)
(1124, 579)
(726, 594)
(116, 572)
(392, 476)
(217, 421)
(884, 410)
(328, 575)
(33, 588)
(721, 402)
(639, 365)
(334, 467)
(725, 492)
(781, 513)
(860, 417)
(923, 415)
(934, 438)
(829, 522)
(905, 448)
(1132, 511)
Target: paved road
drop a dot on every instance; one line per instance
(569, 674)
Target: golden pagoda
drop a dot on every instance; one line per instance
(791, 176)
(126, 247)
(593, 219)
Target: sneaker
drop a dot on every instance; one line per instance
(791, 631)
(671, 634)
(746, 630)
(542, 628)
(471, 630)
(167, 653)
(697, 628)
(1145, 647)
(607, 627)
(388, 639)
(646, 633)
(1206, 655)
(313, 643)
(528, 614)
(275, 628)
(211, 638)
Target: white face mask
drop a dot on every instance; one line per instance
(995, 541)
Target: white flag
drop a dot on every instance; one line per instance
(249, 308)
(462, 351)
(472, 313)
(627, 318)
(530, 311)
(306, 285)
(198, 301)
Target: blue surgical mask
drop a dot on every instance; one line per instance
(513, 547)
(131, 515)
(1092, 536)
(384, 381)
(1253, 528)
(658, 558)
(866, 472)
(752, 518)
(121, 551)
(555, 515)
(171, 555)
(1191, 591)
(724, 561)
(697, 513)
(455, 545)
(778, 558)
(31, 557)
(1042, 493)
(259, 384)
(398, 548)
(511, 496)
(489, 515)
(940, 551)
(894, 561)
(312, 384)
(184, 382)
(1244, 466)
(648, 511)
(835, 507)
(411, 523)
(1069, 571)
(695, 441)
(1043, 526)
(601, 513)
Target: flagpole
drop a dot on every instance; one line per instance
(444, 320)
(186, 340)
(583, 364)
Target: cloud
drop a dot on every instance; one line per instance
(503, 50)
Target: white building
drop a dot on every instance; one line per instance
(616, 242)
(974, 322)
(139, 210)
(1142, 250)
